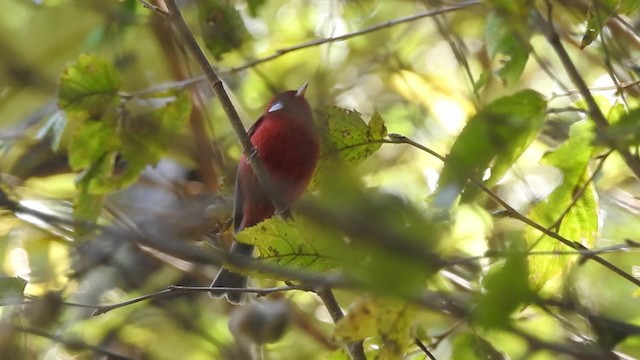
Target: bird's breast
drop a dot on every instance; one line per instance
(289, 151)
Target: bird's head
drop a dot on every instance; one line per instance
(291, 104)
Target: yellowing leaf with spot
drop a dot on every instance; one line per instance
(296, 245)
(349, 136)
(387, 320)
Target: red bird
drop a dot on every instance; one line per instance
(288, 146)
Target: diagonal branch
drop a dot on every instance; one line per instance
(400, 139)
(175, 17)
(633, 162)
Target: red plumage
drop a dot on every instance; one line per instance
(288, 147)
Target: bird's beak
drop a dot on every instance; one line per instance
(302, 89)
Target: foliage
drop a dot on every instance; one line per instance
(475, 196)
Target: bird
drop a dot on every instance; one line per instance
(288, 146)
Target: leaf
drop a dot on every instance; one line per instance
(625, 131)
(508, 42)
(295, 245)
(91, 142)
(112, 154)
(599, 12)
(388, 320)
(349, 136)
(383, 231)
(506, 286)
(89, 86)
(578, 219)
(12, 288)
(222, 27)
(471, 346)
(498, 134)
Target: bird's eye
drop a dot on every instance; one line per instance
(276, 106)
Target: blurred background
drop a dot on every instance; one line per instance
(425, 76)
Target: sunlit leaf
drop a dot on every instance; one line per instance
(89, 86)
(293, 245)
(91, 142)
(349, 136)
(389, 320)
(112, 154)
(494, 138)
(574, 218)
(508, 43)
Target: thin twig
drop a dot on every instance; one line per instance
(377, 27)
(589, 252)
(355, 348)
(178, 289)
(424, 348)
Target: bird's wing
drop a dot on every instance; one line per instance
(239, 201)
(238, 204)
(253, 127)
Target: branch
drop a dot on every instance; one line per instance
(595, 113)
(175, 17)
(400, 139)
(355, 348)
(178, 289)
(377, 27)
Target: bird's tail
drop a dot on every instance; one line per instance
(230, 279)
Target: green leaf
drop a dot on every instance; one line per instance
(222, 27)
(91, 142)
(12, 288)
(112, 154)
(89, 86)
(388, 320)
(497, 135)
(599, 12)
(506, 286)
(508, 43)
(471, 346)
(295, 245)
(575, 220)
(349, 136)
(625, 131)
(384, 232)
